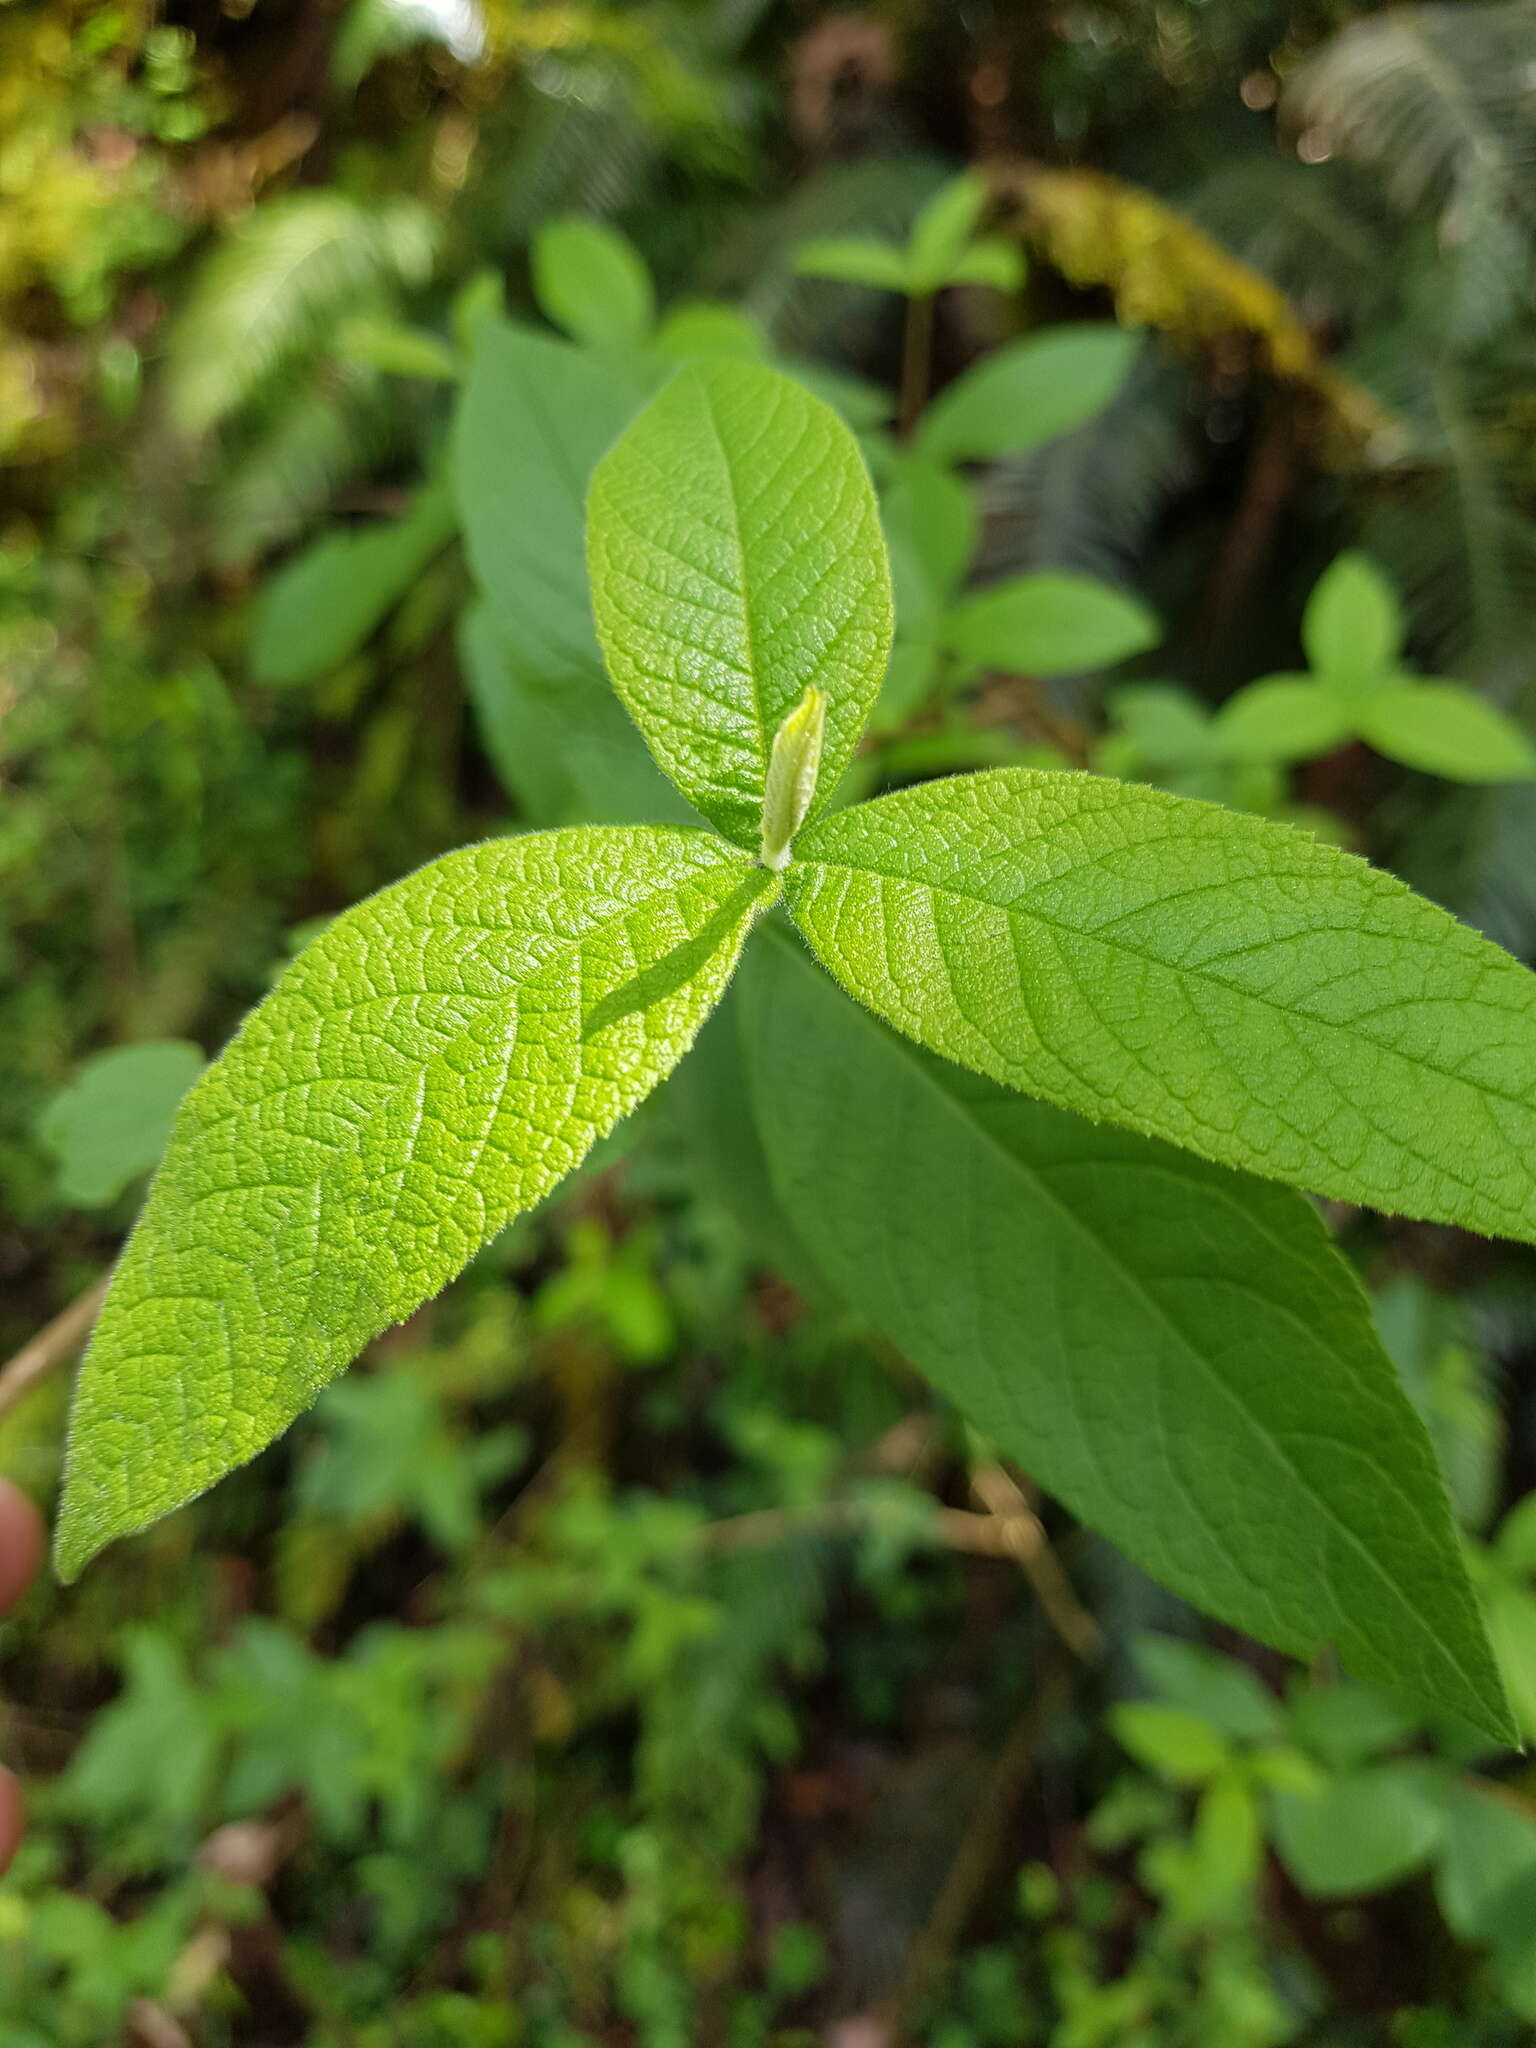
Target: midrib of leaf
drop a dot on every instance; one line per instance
(748, 622)
(1160, 1313)
(1287, 1011)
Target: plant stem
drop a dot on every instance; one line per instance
(916, 362)
(53, 1344)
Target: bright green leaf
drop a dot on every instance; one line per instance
(1164, 723)
(535, 416)
(1174, 1744)
(562, 744)
(1446, 730)
(111, 1123)
(934, 513)
(1510, 1614)
(1227, 1842)
(1489, 1848)
(592, 281)
(992, 262)
(702, 328)
(1285, 1769)
(434, 1063)
(320, 608)
(1195, 973)
(1361, 1833)
(1175, 1351)
(1347, 1724)
(1353, 626)
(854, 259)
(1284, 718)
(736, 562)
(1515, 1543)
(1050, 624)
(1028, 392)
(1202, 1681)
(942, 231)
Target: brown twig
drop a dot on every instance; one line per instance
(978, 1853)
(53, 1345)
(1013, 1512)
(916, 362)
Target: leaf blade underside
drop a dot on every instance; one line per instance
(1173, 1350)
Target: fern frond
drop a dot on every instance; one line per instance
(1450, 519)
(1438, 98)
(1318, 231)
(275, 290)
(1090, 501)
(877, 196)
(312, 436)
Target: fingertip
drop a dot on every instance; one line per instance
(12, 1819)
(22, 1543)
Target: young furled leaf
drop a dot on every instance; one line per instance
(1199, 975)
(1174, 1350)
(435, 1062)
(736, 563)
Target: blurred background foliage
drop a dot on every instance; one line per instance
(631, 1650)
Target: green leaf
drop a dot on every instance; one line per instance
(1284, 718)
(1163, 723)
(700, 327)
(1174, 1351)
(1050, 624)
(854, 259)
(711, 1101)
(1198, 974)
(1202, 1681)
(1028, 392)
(1360, 1833)
(934, 513)
(992, 262)
(434, 1063)
(111, 1123)
(535, 416)
(562, 744)
(737, 561)
(1353, 627)
(1174, 1744)
(942, 231)
(1446, 730)
(1488, 1850)
(1345, 1725)
(1227, 1842)
(1510, 1615)
(322, 606)
(591, 280)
